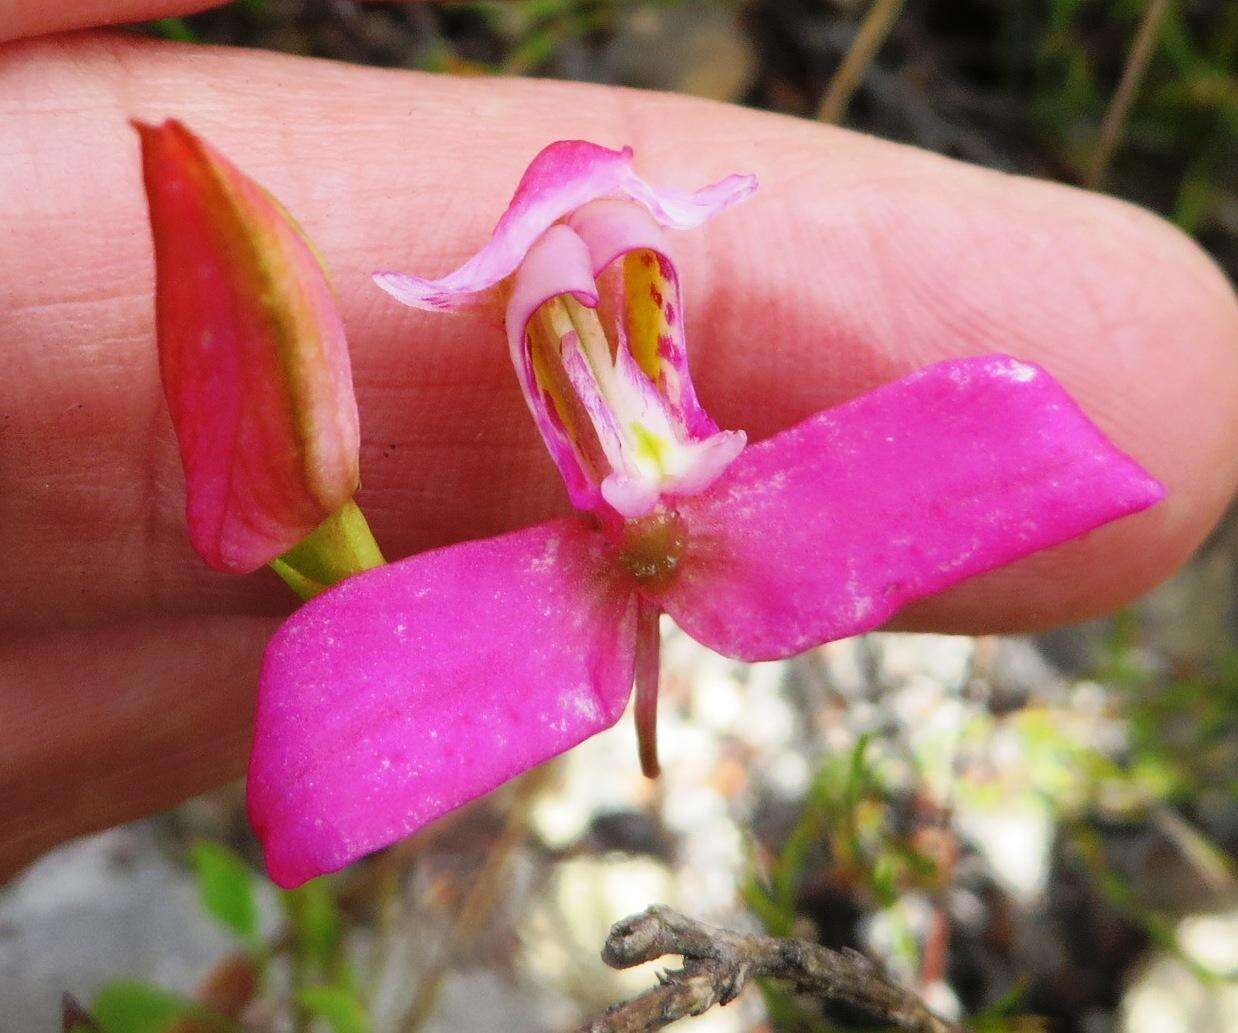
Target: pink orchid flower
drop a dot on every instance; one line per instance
(253, 360)
(404, 692)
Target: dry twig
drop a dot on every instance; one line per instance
(719, 963)
(872, 33)
(1124, 95)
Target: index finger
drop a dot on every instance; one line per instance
(856, 262)
(128, 667)
(20, 18)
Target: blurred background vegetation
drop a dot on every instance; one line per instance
(1035, 833)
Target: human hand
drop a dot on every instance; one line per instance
(127, 668)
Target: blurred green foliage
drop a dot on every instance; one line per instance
(226, 891)
(339, 1008)
(1185, 112)
(308, 943)
(844, 813)
(133, 1007)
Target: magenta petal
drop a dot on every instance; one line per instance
(827, 529)
(561, 178)
(408, 690)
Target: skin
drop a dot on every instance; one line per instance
(127, 668)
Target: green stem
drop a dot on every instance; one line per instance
(342, 545)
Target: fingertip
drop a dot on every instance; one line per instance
(1163, 384)
(1128, 312)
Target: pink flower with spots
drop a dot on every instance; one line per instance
(406, 691)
